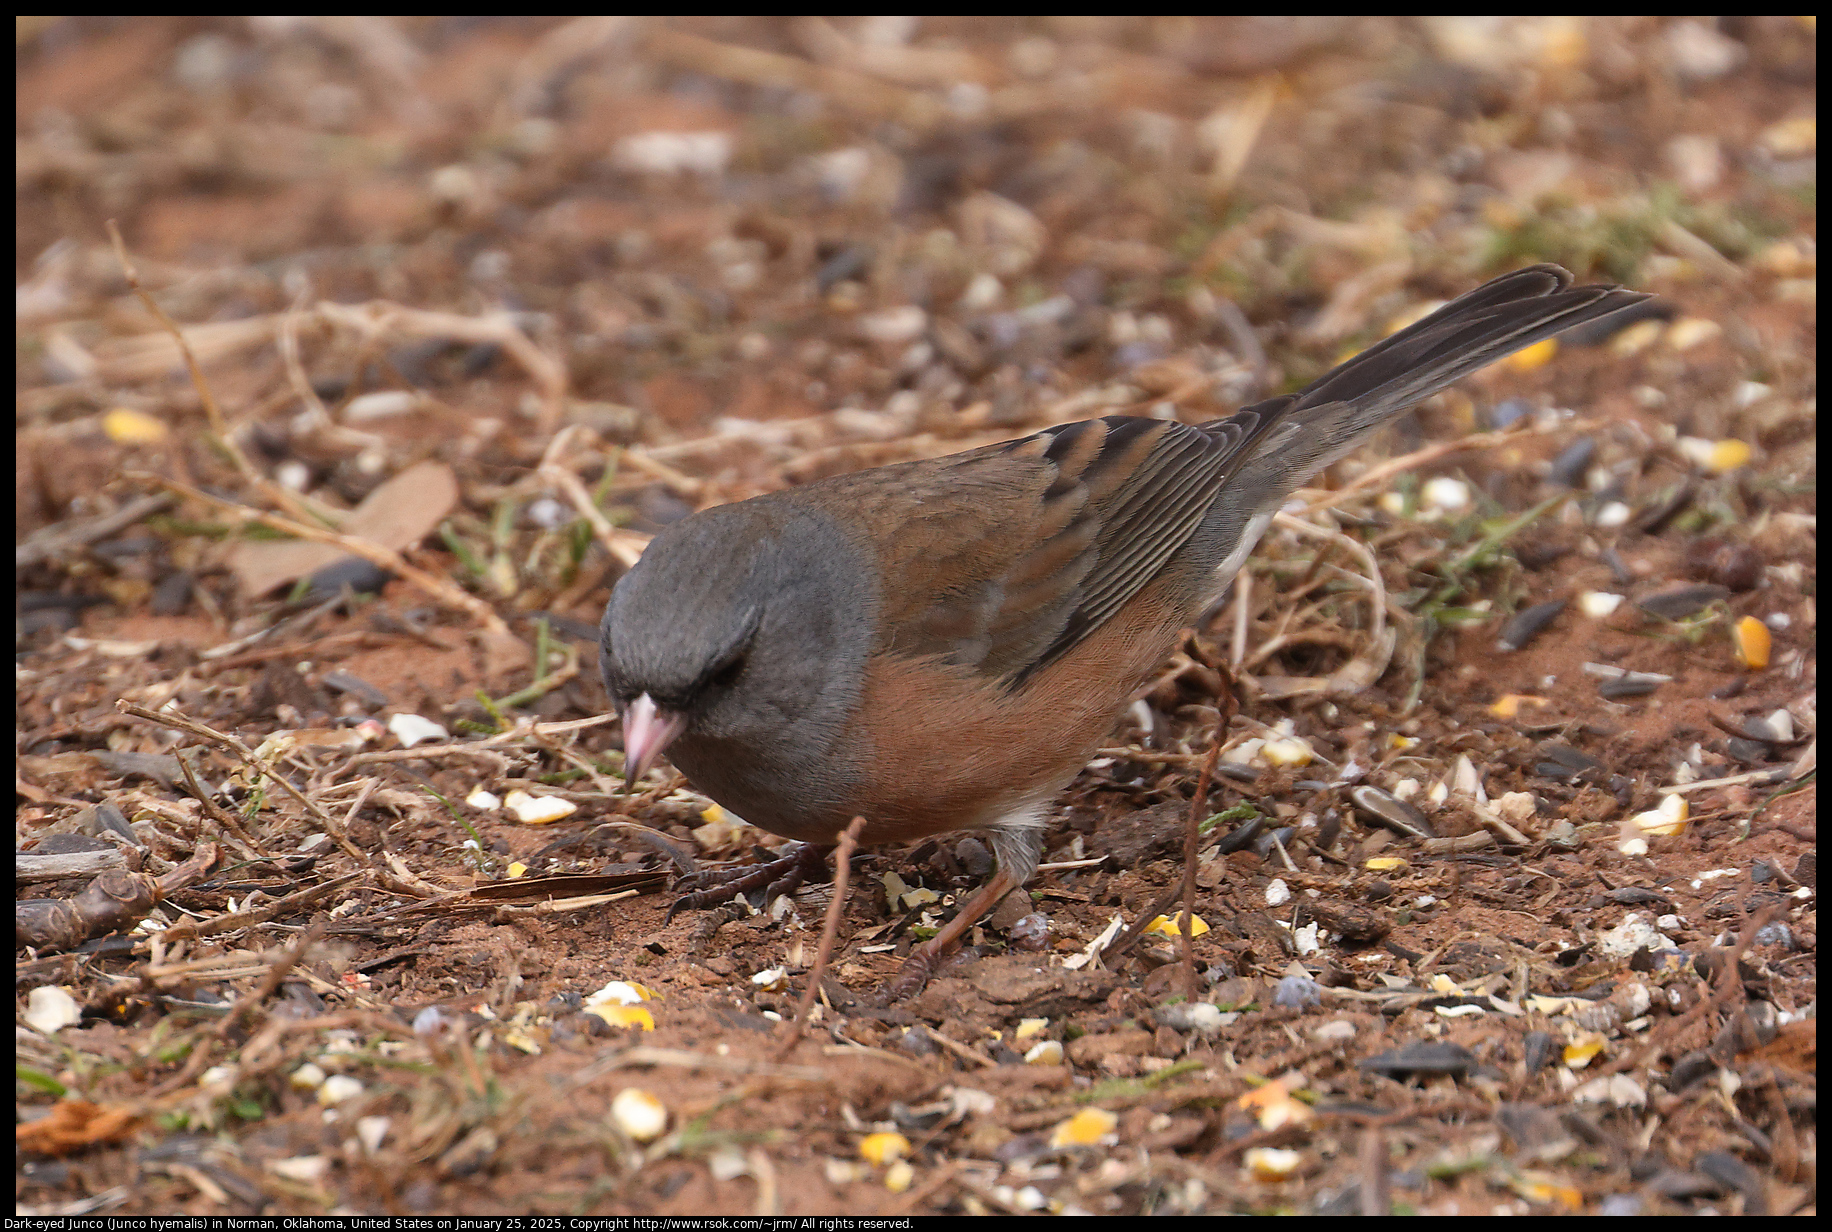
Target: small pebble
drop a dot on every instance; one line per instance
(1505, 414)
(917, 1043)
(1031, 933)
(1198, 1016)
(1516, 806)
(355, 686)
(974, 857)
(1749, 752)
(1734, 566)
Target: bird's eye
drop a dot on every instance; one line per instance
(727, 676)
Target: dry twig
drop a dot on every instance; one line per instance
(220, 427)
(378, 318)
(842, 874)
(624, 546)
(181, 723)
(276, 972)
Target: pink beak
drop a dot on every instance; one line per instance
(647, 730)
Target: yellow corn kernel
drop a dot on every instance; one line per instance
(1752, 643)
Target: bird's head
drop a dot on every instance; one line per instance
(744, 623)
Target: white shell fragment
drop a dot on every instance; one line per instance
(372, 1131)
(658, 152)
(1076, 962)
(308, 1077)
(1445, 493)
(619, 992)
(1597, 604)
(639, 1114)
(1617, 1089)
(1198, 1016)
(1289, 752)
(1268, 1163)
(50, 1008)
(727, 1164)
(1516, 806)
(1613, 514)
(538, 810)
(1467, 781)
(894, 325)
(306, 1168)
(383, 404)
(337, 1088)
(1666, 820)
(411, 729)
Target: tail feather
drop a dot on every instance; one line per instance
(1287, 440)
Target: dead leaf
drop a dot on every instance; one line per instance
(397, 515)
(74, 1125)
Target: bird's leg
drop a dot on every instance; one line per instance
(804, 862)
(1017, 844)
(916, 968)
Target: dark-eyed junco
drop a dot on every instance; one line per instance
(938, 645)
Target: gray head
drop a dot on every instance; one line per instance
(742, 632)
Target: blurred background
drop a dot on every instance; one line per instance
(754, 240)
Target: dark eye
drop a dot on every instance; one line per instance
(727, 676)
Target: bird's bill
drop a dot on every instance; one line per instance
(647, 730)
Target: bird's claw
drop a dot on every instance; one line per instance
(909, 980)
(785, 875)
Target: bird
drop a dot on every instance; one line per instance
(940, 645)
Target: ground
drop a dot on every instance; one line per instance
(495, 299)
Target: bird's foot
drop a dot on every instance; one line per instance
(805, 862)
(910, 977)
(921, 963)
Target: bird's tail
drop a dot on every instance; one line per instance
(1285, 441)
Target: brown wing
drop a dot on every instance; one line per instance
(1002, 558)
(1149, 484)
